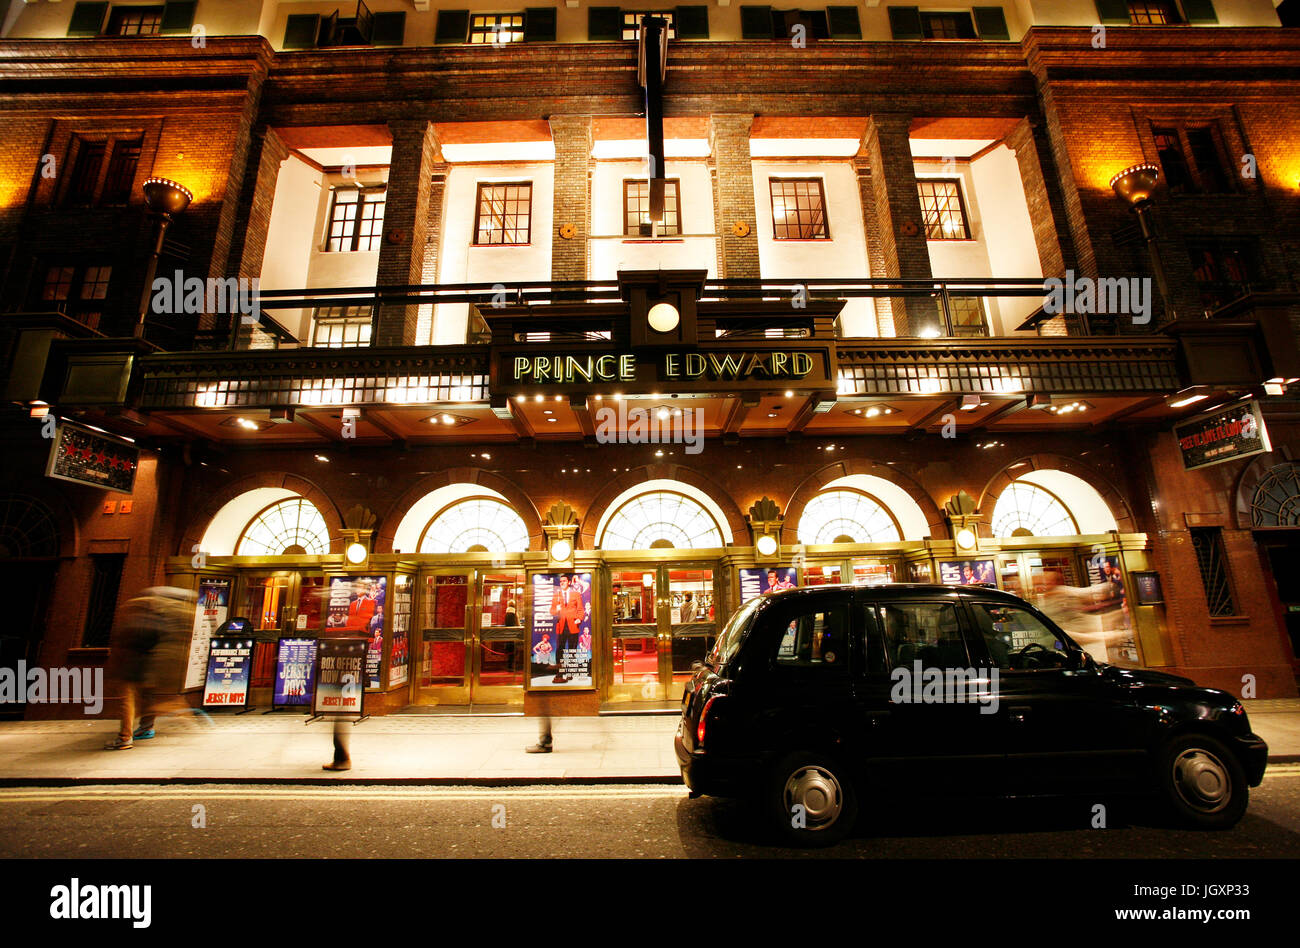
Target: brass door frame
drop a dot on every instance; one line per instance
(497, 694)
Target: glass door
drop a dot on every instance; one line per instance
(634, 616)
(471, 643)
(282, 604)
(692, 625)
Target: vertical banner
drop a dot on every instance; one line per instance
(561, 631)
(356, 604)
(755, 582)
(340, 666)
(399, 662)
(230, 669)
(967, 572)
(295, 670)
(1110, 605)
(210, 612)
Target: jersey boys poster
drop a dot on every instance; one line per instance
(295, 668)
(210, 611)
(560, 644)
(356, 604)
(230, 667)
(755, 582)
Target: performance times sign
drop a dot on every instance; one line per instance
(1227, 434)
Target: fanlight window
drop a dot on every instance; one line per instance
(1026, 510)
(478, 525)
(286, 528)
(846, 516)
(658, 520)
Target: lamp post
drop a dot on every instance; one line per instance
(1134, 186)
(165, 199)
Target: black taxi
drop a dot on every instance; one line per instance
(812, 699)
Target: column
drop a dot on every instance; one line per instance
(875, 248)
(900, 229)
(406, 225)
(1046, 209)
(729, 145)
(570, 255)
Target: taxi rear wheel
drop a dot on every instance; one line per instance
(810, 800)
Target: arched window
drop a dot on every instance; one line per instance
(27, 528)
(286, 528)
(847, 516)
(1277, 498)
(476, 525)
(661, 519)
(1027, 510)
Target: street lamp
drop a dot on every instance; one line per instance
(165, 198)
(1134, 186)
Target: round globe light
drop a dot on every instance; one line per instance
(766, 545)
(663, 317)
(965, 539)
(561, 550)
(356, 553)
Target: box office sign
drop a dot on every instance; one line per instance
(340, 671)
(520, 369)
(1228, 434)
(87, 457)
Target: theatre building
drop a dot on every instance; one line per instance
(528, 344)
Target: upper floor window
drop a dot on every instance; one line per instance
(362, 28)
(798, 209)
(77, 291)
(91, 181)
(1191, 159)
(947, 26)
(1152, 12)
(496, 28)
(632, 23)
(1156, 12)
(341, 327)
(356, 219)
(135, 21)
(504, 213)
(1207, 542)
(942, 209)
(1223, 271)
(636, 209)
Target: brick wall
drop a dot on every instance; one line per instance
(406, 225)
(729, 144)
(570, 255)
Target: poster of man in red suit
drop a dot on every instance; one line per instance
(562, 610)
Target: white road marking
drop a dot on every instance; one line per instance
(343, 792)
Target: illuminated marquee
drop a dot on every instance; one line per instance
(607, 367)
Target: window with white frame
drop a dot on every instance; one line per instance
(286, 528)
(636, 209)
(942, 210)
(496, 28)
(356, 219)
(632, 22)
(846, 516)
(503, 215)
(476, 525)
(661, 519)
(341, 327)
(1027, 510)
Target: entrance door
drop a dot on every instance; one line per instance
(664, 620)
(27, 587)
(1284, 561)
(281, 604)
(472, 647)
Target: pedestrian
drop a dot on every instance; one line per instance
(342, 759)
(543, 745)
(149, 647)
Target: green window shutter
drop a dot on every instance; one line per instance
(991, 23)
(844, 22)
(177, 17)
(905, 23)
(1200, 11)
(389, 29)
(755, 23)
(539, 25)
(453, 27)
(87, 19)
(300, 31)
(693, 23)
(604, 23)
(1113, 12)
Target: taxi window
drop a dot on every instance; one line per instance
(1017, 639)
(928, 632)
(815, 636)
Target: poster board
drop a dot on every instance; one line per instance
(210, 612)
(339, 673)
(560, 649)
(229, 668)
(295, 673)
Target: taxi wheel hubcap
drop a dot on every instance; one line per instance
(818, 792)
(1201, 780)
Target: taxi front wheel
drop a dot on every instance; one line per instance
(809, 800)
(1203, 782)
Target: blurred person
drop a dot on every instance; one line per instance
(151, 644)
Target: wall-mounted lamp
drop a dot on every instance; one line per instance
(1134, 186)
(164, 198)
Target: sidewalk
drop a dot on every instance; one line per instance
(400, 749)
